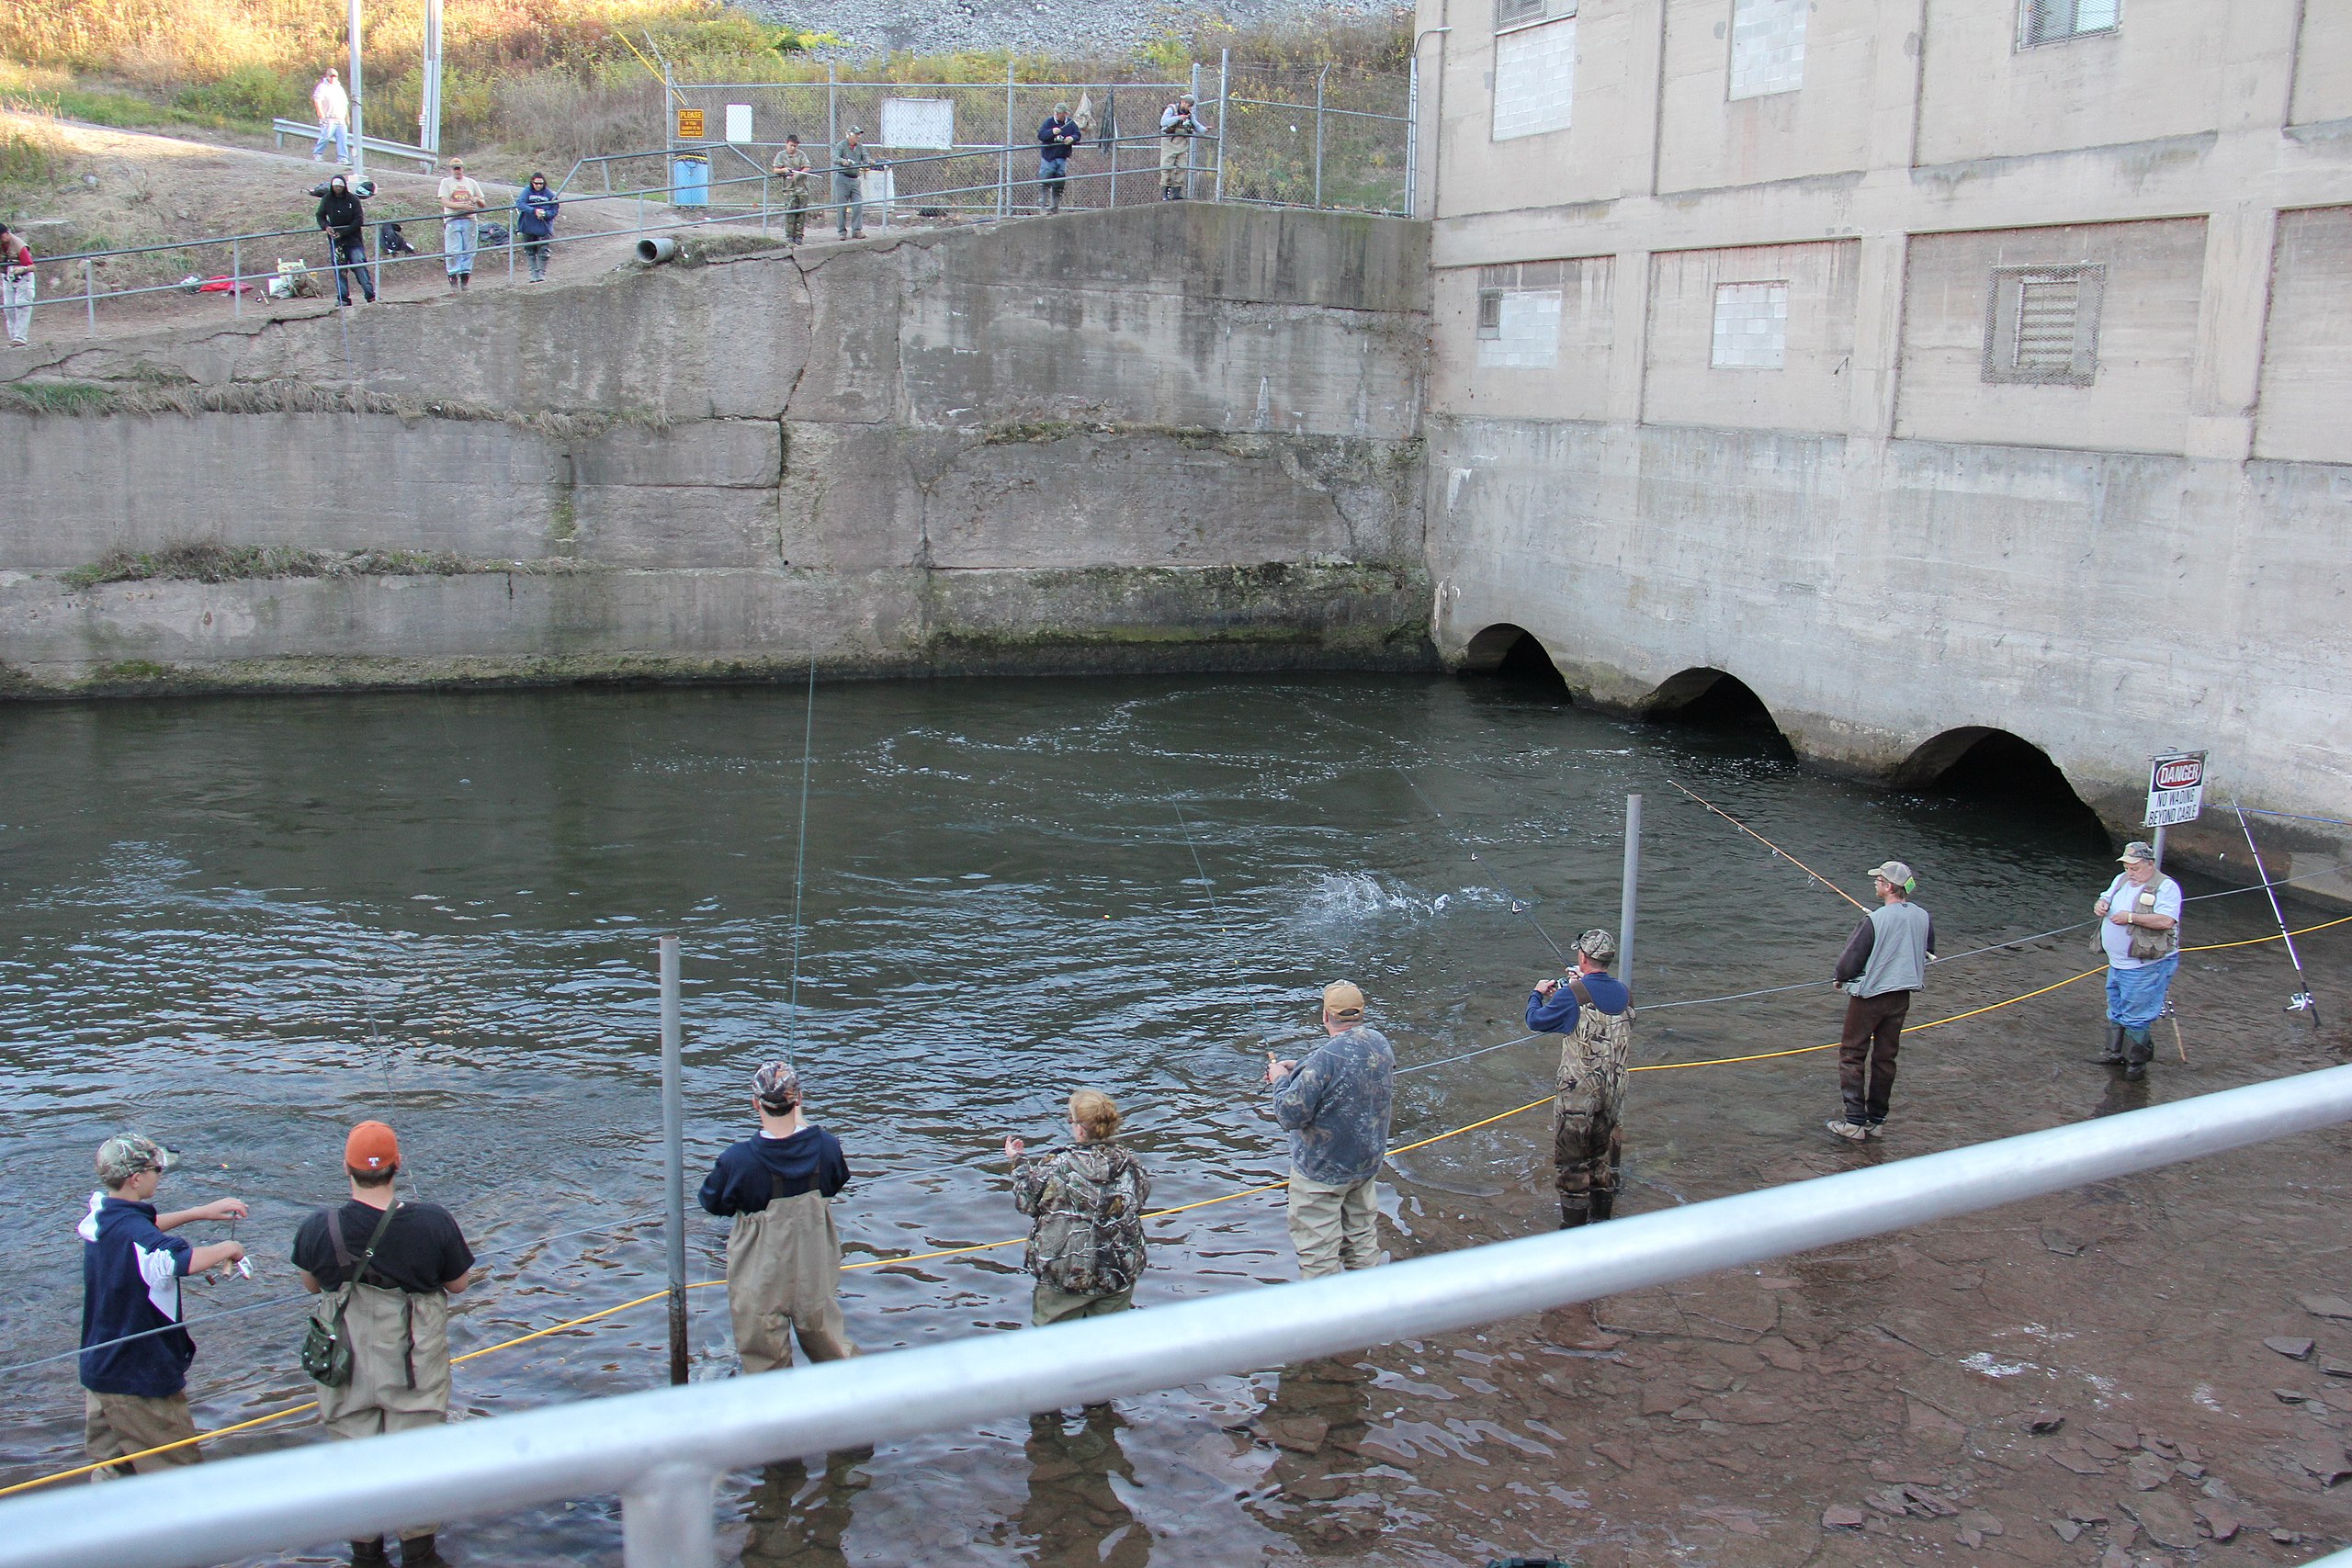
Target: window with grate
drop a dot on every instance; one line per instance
(1767, 47)
(1490, 312)
(2055, 21)
(2042, 325)
(1518, 315)
(1509, 14)
(1751, 326)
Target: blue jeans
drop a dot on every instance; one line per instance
(2135, 998)
(333, 131)
(350, 261)
(457, 240)
(1054, 175)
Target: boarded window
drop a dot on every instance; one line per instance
(1751, 326)
(1535, 70)
(1518, 315)
(2042, 325)
(1522, 13)
(1767, 47)
(2054, 21)
(928, 123)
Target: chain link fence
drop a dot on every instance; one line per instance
(1324, 137)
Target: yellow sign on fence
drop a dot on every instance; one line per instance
(690, 125)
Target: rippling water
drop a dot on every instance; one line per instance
(240, 926)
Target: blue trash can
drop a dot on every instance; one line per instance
(690, 180)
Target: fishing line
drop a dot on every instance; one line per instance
(2302, 1000)
(1215, 913)
(801, 864)
(1518, 906)
(1769, 844)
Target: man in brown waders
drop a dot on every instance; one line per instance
(1595, 1011)
(784, 1258)
(389, 1269)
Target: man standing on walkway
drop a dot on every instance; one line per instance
(783, 1257)
(851, 160)
(1057, 139)
(345, 222)
(1176, 128)
(333, 106)
(1595, 1011)
(135, 1350)
(791, 167)
(2138, 930)
(388, 1271)
(1336, 1105)
(17, 286)
(460, 199)
(1884, 963)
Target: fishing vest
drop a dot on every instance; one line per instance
(1593, 1057)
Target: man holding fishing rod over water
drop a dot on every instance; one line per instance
(1595, 1011)
(1884, 963)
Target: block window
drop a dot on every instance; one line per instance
(1535, 70)
(2042, 325)
(1518, 315)
(1751, 326)
(2054, 21)
(1511, 14)
(1768, 47)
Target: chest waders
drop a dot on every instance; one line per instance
(1586, 1146)
(783, 1281)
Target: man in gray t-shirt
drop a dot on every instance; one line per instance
(1886, 961)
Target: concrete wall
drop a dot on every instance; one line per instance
(1892, 538)
(1170, 436)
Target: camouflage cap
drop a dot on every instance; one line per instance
(777, 1086)
(125, 1155)
(1597, 945)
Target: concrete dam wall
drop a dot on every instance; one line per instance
(1183, 436)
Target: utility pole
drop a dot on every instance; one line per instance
(428, 108)
(358, 126)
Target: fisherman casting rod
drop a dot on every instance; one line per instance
(1769, 844)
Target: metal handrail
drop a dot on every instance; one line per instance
(663, 1452)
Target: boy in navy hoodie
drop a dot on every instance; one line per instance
(136, 1351)
(784, 1258)
(1595, 1012)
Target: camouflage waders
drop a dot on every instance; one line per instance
(1586, 1145)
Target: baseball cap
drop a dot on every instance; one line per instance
(1597, 945)
(2136, 849)
(1342, 998)
(778, 1087)
(125, 1155)
(1895, 871)
(372, 1147)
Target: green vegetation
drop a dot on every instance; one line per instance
(199, 561)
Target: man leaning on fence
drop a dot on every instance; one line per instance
(378, 1350)
(1176, 128)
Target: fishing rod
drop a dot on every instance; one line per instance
(2302, 1000)
(1519, 906)
(800, 863)
(1207, 884)
(1769, 844)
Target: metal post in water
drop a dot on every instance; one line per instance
(673, 1158)
(2157, 844)
(1321, 76)
(1626, 899)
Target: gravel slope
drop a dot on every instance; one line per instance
(1062, 26)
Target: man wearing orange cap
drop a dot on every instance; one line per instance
(1335, 1105)
(388, 1269)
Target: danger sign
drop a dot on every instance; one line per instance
(2176, 788)
(690, 125)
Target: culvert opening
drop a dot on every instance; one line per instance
(1511, 655)
(1997, 768)
(1720, 703)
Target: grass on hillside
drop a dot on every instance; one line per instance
(544, 80)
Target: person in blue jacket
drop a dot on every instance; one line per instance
(1595, 1012)
(783, 1257)
(1056, 140)
(135, 1346)
(535, 210)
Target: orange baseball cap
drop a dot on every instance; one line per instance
(372, 1147)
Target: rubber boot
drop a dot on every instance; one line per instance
(2110, 1051)
(418, 1551)
(1575, 1211)
(1602, 1205)
(2138, 1049)
(369, 1554)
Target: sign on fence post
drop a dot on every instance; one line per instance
(690, 125)
(2176, 789)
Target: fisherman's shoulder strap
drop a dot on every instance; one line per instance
(1575, 989)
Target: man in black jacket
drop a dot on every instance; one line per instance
(346, 224)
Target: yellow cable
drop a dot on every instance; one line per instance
(1155, 1214)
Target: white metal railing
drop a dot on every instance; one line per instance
(664, 1450)
(423, 157)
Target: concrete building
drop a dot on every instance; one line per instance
(1934, 367)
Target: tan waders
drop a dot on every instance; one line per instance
(784, 1279)
(1587, 1095)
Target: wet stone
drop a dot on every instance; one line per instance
(2218, 1520)
(2324, 1462)
(2068, 1531)
(1841, 1516)
(2293, 1349)
(2166, 1522)
(2148, 1473)
(2079, 1462)
(2123, 1439)
(2327, 1306)
(2189, 1469)
(2039, 1422)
